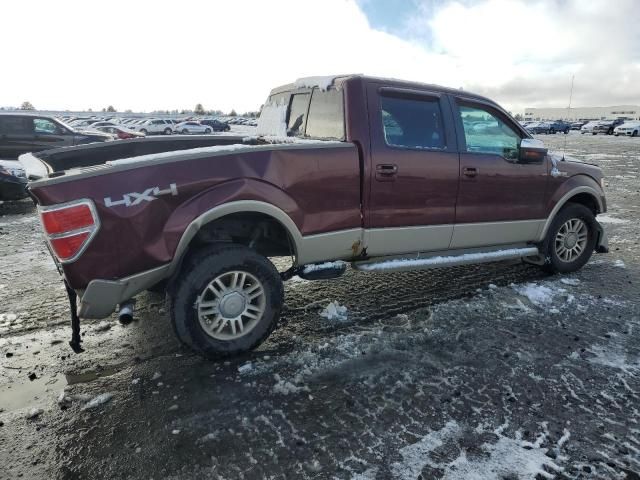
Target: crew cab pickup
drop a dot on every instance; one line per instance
(386, 175)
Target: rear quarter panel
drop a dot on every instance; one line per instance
(318, 188)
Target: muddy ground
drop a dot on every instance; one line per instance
(496, 372)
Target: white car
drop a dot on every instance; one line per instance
(588, 127)
(631, 129)
(191, 127)
(154, 125)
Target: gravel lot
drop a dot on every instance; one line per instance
(496, 372)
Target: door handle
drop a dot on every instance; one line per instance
(386, 169)
(470, 171)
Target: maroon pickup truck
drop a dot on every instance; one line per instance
(385, 174)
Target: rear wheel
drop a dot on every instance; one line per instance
(143, 131)
(167, 131)
(227, 300)
(570, 240)
(635, 133)
(207, 130)
(185, 131)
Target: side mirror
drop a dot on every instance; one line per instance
(532, 151)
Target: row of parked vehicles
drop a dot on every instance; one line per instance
(616, 127)
(22, 132)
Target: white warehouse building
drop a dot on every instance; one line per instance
(631, 112)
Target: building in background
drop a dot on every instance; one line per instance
(631, 112)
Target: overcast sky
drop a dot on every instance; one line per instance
(156, 54)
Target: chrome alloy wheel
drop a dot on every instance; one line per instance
(571, 240)
(231, 305)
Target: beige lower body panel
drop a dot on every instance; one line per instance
(391, 241)
(471, 235)
(341, 245)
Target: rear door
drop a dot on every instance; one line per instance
(414, 178)
(16, 135)
(501, 200)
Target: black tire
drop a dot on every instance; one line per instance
(566, 132)
(635, 133)
(185, 131)
(143, 131)
(552, 131)
(167, 131)
(553, 263)
(610, 131)
(207, 130)
(197, 272)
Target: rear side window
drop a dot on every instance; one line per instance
(412, 122)
(16, 125)
(297, 114)
(326, 115)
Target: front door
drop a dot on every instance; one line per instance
(48, 134)
(500, 201)
(414, 173)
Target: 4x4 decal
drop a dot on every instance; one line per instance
(134, 198)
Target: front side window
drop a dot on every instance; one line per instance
(45, 126)
(412, 122)
(485, 132)
(297, 114)
(326, 115)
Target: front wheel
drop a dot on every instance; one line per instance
(570, 240)
(185, 131)
(167, 131)
(207, 130)
(143, 131)
(227, 300)
(635, 133)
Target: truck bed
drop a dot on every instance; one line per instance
(61, 159)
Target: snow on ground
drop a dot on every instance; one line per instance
(334, 311)
(539, 295)
(611, 220)
(506, 458)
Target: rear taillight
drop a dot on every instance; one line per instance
(69, 228)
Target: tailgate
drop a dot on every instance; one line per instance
(35, 168)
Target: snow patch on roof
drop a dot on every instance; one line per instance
(323, 83)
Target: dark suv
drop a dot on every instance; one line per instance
(607, 126)
(22, 132)
(216, 125)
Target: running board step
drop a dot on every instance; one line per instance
(420, 263)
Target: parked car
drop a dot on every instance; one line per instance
(606, 126)
(631, 129)
(216, 125)
(102, 124)
(153, 126)
(588, 127)
(120, 132)
(23, 132)
(539, 127)
(191, 127)
(558, 126)
(13, 180)
(392, 176)
(577, 125)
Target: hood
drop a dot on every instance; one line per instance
(573, 166)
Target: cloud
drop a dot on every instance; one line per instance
(158, 54)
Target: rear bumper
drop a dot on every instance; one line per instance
(101, 297)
